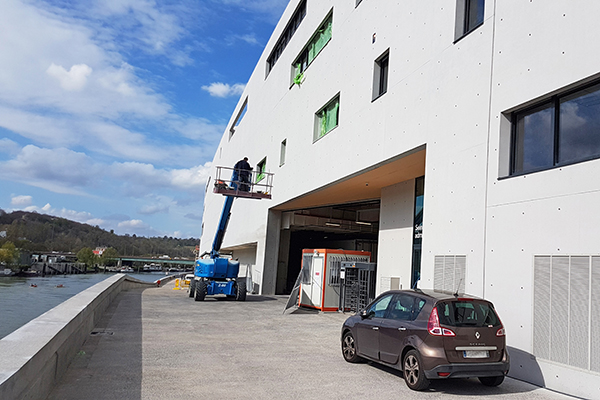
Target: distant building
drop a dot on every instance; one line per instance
(99, 251)
(457, 141)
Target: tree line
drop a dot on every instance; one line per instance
(34, 232)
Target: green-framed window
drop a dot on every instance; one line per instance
(327, 118)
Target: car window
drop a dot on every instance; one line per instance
(467, 313)
(379, 308)
(405, 307)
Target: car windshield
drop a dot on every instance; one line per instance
(467, 313)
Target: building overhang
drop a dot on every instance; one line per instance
(363, 185)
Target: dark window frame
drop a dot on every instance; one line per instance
(286, 35)
(261, 169)
(238, 119)
(462, 22)
(555, 102)
(381, 73)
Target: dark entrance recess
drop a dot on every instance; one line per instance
(345, 226)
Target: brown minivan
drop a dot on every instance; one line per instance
(429, 335)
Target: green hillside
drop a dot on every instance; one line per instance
(39, 232)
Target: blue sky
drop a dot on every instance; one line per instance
(111, 110)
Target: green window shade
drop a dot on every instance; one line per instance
(329, 118)
(319, 41)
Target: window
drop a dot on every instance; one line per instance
(379, 308)
(286, 36)
(316, 43)
(327, 118)
(405, 307)
(563, 130)
(282, 153)
(239, 118)
(380, 75)
(261, 168)
(469, 16)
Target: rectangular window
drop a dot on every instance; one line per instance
(282, 153)
(561, 131)
(286, 35)
(380, 75)
(327, 118)
(261, 168)
(239, 118)
(469, 16)
(316, 43)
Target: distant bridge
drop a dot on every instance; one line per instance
(162, 261)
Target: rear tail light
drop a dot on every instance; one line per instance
(501, 331)
(433, 325)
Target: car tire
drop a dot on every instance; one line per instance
(192, 287)
(240, 292)
(491, 380)
(414, 376)
(349, 348)
(200, 291)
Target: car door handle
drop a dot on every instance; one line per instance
(402, 328)
(375, 328)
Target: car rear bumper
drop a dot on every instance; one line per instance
(468, 370)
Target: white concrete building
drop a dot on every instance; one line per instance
(481, 117)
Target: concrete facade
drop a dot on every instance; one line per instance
(526, 241)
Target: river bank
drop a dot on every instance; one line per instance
(25, 298)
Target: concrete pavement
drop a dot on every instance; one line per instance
(161, 344)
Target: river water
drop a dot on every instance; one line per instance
(20, 302)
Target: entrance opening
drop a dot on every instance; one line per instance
(352, 226)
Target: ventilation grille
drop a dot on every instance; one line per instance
(449, 273)
(566, 305)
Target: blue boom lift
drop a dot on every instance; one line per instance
(216, 274)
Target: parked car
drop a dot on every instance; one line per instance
(429, 335)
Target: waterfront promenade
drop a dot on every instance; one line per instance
(158, 343)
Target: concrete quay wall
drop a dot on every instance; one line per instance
(34, 357)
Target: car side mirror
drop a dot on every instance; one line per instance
(364, 314)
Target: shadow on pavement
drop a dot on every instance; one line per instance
(109, 365)
(465, 386)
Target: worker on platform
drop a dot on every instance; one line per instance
(241, 174)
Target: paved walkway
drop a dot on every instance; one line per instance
(160, 344)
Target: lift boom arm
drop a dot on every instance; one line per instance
(225, 215)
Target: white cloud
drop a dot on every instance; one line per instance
(72, 80)
(8, 146)
(272, 8)
(218, 89)
(154, 209)
(21, 201)
(142, 178)
(248, 38)
(57, 170)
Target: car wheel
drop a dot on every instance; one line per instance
(192, 287)
(491, 380)
(240, 293)
(349, 348)
(200, 291)
(414, 376)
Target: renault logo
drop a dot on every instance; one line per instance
(477, 335)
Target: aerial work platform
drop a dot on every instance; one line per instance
(258, 185)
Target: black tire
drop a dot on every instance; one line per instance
(349, 348)
(491, 380)
(240, 292)
(414, 376)
(200, 291)
(192, 287)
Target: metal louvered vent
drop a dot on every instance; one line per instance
(449, 273)
(566, 304)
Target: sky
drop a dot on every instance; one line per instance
(111, 110)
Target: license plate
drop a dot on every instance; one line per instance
(476, 354)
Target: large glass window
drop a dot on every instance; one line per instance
(286, 36)
(317, 42)
(417, 231)
(563, 130)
